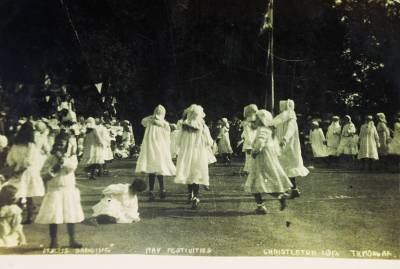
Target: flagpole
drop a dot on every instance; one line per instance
(269, 102)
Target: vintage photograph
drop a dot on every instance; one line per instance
(207, 128)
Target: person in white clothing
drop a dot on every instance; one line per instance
(333, 139)
(23, 160)
(61, 204)
(155, 151)
(369, 142)
(119, 203)
(224, 142)
(11, 229)
(348, 146)
(287, 133)
(248, 134)
(266, 174)
(93, 149)
(384, 137)
(193, 155)
(394, 145)
(317, 141)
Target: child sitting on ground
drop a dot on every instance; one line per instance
(11, 230)
(119, 204)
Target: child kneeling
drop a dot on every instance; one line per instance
(119, 204)
(11, 231)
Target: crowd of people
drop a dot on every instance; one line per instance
(342, 140)
(39, 158)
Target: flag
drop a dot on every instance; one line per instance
(98, 86)
(103, 99)
(47, 98)
(47, 80)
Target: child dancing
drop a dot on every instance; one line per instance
(61, 204)
(266, 174)
(194, 154)
(155, 152)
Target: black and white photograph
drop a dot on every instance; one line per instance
(200, 128)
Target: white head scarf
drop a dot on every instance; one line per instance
(265, 117)
(159, 112)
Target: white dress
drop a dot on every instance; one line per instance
(317, 140)
(10, 226)
(333, 138)
(394, 145)
(62, 202)
(369, 142)
(155, 151)
(29, 183)
(93, 148)
(118, 203)
(290, 158)
(266, 174)
(224, 143)
(384, 138)
(105, 137)
(194, 156)
(348, 141)
(248, 136)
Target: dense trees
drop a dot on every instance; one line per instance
(330, 55)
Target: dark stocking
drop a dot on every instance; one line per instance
(293, 181)
(196, 188)
(152, 180)
(161, 182)
(258, 198)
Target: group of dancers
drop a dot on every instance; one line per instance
(272, 147)
(42, 163)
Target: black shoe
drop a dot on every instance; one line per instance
(294, 193)
(53, 244)
(261, 210)
(206, 188)
(92, 178)
(163, 195)
(27, 222)
(195, 202)
(282, 201)
(75, 244)
(152, 197)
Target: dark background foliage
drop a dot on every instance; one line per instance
(329, 57)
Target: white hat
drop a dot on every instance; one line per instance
(195, 115)
(314, 122)
(381, 117)
(249, 110)
(3, 141)
(265, 117)
(159, 112)
(90, 123)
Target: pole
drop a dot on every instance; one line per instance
(269, 102)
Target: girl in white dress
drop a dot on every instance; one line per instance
(23, 159)
(287, 133)
(11, 230)
(394, 145)
(93, 148)
(369, 143)
(333, 139)
(155, 151)
(348, 147)
(119, 203)
(266, 174)
(248, 134)
(318, 141)
(224, 142)
(193, 155)
(62, 203)
(384, 135)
